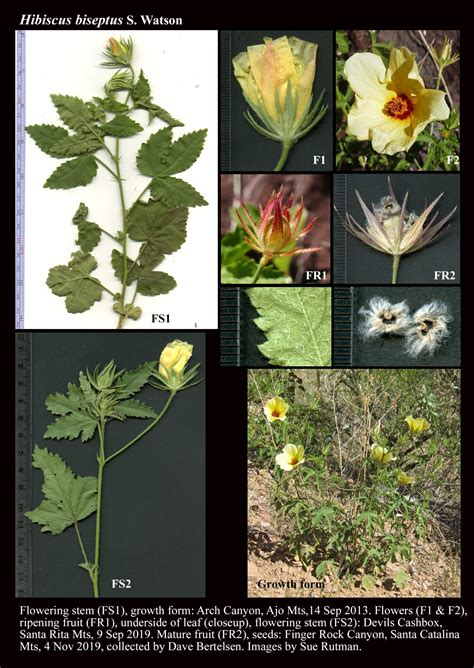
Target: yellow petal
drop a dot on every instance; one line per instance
(363, 116)
(304, 57)
(272, 67)
(365, 73)
(244, 76)
(430, 106)
(402, 73)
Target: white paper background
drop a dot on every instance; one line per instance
(181, 67)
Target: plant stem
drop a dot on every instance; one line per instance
(396, 263)
(284, 155)
(101, 162)
(83, 549)
(145, 431)
(259, 271)
(100, 475)
(122, 318)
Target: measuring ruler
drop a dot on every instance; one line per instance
(20, 181)
(23, 463)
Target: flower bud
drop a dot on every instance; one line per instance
(173, 360)
(118, 52)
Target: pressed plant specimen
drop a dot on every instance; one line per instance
(277, 79)
(391, 229)
(92, 137)
(101, 396)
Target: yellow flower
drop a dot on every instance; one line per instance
(405, 479)
(381, 455)
(417, 425)
(275, 409)
(392, 106)
(291, 457)
(277, 78)
(174, 358)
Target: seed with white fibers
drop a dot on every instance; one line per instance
(429, 329)
(382, 317)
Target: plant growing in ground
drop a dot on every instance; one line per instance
(101, 396)
(362, 464)
(97, 129)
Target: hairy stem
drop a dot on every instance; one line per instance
(83, 549)
(284, 155)
(261, 265)
(100, 475)
(145, 431)
(122, 318)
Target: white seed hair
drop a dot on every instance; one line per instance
(423, 338)
(374, 321)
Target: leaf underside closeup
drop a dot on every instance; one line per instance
(297, 324)
(67, 498)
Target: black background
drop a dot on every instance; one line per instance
(251, 151)
(389, 351)
(367, 265)
(153, 513)
(226, 448)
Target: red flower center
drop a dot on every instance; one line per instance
(399, 107)
(294, 461)
(275, 413)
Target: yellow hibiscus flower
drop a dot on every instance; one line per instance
(275, 409)
(381, 455)
(405, 479)
(392, 105)
(417, 425)
(291, 457)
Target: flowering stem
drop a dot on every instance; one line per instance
(100, 476)
(396, 263)
(145, 431)
(284, 155)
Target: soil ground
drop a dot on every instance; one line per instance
(431, 573)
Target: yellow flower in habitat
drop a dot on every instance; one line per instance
(381, 455)
(392, 105)
(275, 409)
(291, 457)
(417, 425)
(405, 479)
(277, 78)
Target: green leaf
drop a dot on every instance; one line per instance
(68, 499)
(141, 89)
(45, 136)
(74, 282)
(183, 153)
(152, 283)
(297, 323)
(141, 96)
(175, 192)
(121, 126)
(133, 381)
(368, 582)
(73, 112)
(133, 408)
(89, 233)
(72, 426)
(163, 230)
(154, 111)
(323, 568)
(73, 173)
(111, 105)
(74, 407)
(151, 158)
(117, 264)
(159, 157)
(75, 145)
